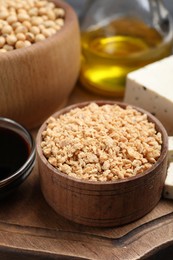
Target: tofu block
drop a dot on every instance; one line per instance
(151, 88)
(170, 148)
(168, 186)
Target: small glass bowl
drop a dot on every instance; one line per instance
(14, 179)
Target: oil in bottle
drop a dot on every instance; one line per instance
(112, 50)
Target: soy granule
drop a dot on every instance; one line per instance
(101, 143)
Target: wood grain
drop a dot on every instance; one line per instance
(37, 80)
(30, 229)
(103, 204)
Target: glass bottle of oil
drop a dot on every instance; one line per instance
(119, 36)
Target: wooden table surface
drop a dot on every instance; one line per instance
(30, 229)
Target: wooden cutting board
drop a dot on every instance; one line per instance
(30, 229)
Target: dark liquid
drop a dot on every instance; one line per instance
(14, 152)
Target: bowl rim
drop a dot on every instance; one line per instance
(150, 117)
(29, 163)
(70, 17)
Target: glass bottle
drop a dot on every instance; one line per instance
(119, 36)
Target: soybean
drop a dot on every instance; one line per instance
(23, 23)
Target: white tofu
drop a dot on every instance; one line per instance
(170, 148)
(168, 186)
(151, 88)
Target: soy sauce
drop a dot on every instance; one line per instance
(14, 152)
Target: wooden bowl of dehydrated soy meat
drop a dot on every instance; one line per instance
(102, 163)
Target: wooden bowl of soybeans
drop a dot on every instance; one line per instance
(39, 58)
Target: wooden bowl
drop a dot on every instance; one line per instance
(36, 81)
(103, 203)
